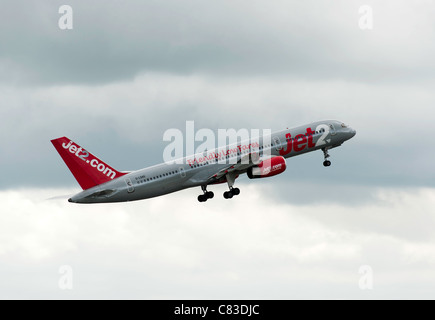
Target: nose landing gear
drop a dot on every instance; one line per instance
(326, 163)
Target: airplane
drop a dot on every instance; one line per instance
(102, 183)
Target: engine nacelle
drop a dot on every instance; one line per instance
(267, 168)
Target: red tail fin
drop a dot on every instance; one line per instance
(88, 170)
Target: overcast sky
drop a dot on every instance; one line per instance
(130, 70)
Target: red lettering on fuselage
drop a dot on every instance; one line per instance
(299, 143)
(287, 150)
(310, 138)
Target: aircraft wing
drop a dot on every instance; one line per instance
(241, 166)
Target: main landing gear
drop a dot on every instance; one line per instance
(231, 178)
(233, 192)
(207, 195)
(326, 163)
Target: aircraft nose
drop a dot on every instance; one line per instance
(352, 132)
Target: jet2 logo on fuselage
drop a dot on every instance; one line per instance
(302, 141)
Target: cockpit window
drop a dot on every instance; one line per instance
(344, 125)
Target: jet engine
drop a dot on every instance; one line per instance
(267, 168)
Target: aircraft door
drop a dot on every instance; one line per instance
(277, 143)
(332, 129)
(129, 185)
(182, 172)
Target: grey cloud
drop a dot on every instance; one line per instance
(115, 40)
(123, 123)
(352, 207)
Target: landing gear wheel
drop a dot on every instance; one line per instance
(202, 198)
(327, 163)
(228, 194)
(235, 191)
(207, 194)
